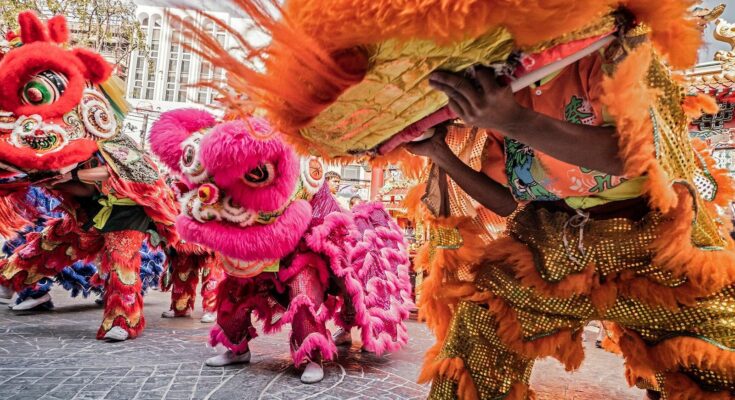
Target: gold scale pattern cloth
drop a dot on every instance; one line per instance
(613, 246)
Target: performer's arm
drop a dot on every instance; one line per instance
(490, 194)
(91, 175)
(80, 183)
(486, 104)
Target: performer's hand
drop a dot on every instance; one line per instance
(432, 146)
(483, 103)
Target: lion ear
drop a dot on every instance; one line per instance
(97, 70)
(31, 28)
(57, 29)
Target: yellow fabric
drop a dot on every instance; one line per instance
(395, 92)
(114, 89)
(625, 191)
(100, 220)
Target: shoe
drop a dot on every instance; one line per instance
(32, 303)
(228, 358)
(117, 334)
(313, 373)
(172, 314)
(209, 317)
(342, 337)
(6, 293)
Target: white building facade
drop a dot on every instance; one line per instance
(165, 77)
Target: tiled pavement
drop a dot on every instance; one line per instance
(53, 355)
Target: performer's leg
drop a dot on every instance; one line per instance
(310, 340)
(679, 354)
(474, 360)
(120, 267)
(184, 279)
(212, 275)
(43, 255)
(346, 321)
(234, 328)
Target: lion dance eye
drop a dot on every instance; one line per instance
(189, 162)
(261, 175)
(189, 157)
(44, 88)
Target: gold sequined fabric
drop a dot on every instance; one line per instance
(495, 368)
(674, 152)
(612, 246)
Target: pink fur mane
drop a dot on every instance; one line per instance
(230, 151)
(173, 128)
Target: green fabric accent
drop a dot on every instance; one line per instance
(629, 189)
(273, 267)
(100, 220)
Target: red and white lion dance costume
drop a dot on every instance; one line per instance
(291, 255)
(60, 129)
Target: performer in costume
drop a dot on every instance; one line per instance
(186, 262)
(291, 255)
(60, 127)
(613, 212)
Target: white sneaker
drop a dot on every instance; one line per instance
(313, 373)
(342, 337)
(172, 314)
(228, 358)
(209, 317)
(6, 293)
(32, 303)
(117, 334)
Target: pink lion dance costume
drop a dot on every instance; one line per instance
(291, 255)
(58, 122)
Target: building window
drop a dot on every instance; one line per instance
(144, 75)
(138, 71)
(179, 65)
(155, 48)
(207, 73)
(351, 173)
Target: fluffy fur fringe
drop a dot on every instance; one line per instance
(374, 269)
(452, 369)
(643, 362)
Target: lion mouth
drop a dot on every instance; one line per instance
(251, 242)
(225, 210)
(41, 143)
(32, 132)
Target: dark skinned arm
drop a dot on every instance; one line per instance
(484, 103)
(490, 194)
(82, 187)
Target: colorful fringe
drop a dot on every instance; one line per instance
(185, 270)
(120, 270)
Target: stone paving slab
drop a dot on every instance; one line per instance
(54, 356)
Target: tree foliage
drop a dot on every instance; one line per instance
(107, 26)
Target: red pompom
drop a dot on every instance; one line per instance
(57, 29)
(97, 69)
(31, 28)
